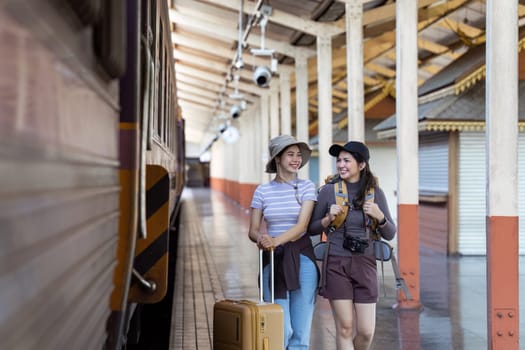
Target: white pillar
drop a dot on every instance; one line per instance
(265, 133)
(406, 101)
(274, 107)
(407, 151)
(301, 105)
(502, 231)
(245, 142)
(502, 108)
(286, 114)
(354, 65)
(324, 86)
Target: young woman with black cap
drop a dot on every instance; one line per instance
(286, 204)
(350, 273)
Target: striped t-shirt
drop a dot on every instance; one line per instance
(279, 203)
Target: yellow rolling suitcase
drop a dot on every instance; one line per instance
(249, 325)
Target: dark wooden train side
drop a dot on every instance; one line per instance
(91, 169)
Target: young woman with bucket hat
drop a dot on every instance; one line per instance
(285, 204)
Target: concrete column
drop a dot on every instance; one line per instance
(324, 85)
(265, 134)
(301, 106)
(245, 167)
(286, 114)
(502, 175)
(274, 108)
(256, 150)
(354, 64)
(407, 149)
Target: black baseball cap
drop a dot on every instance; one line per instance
(352, 147)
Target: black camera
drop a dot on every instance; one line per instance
(355, 245)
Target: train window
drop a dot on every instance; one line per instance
(148, 68)
(162, 114)
(160, 86)
(151, 103)
(172, 113)
(166, 99)
(170, 135)
(168, 110)
(156, 64)
(172, 109)
(174, 119)
(152, 7)
(145, 19)
(172, 99)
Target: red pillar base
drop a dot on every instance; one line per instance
(503, 282)
(408, 305)
(408, 248)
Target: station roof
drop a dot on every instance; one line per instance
(205, 38)
(454, 99)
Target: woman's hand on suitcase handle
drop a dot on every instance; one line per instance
(265, 241)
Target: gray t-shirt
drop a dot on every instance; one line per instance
(355, 219)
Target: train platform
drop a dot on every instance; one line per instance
(216, 260)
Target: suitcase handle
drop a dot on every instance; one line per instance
(272, 277)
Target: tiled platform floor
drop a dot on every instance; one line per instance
(216, 260)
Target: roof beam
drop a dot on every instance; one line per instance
(382, 19)
(192, 81)
(372, 49)
(198, 99)
(387, 72)
(214, 26)
(377, 46)
(186, 88)
(209, 64)
(383, 13)
(205, 111)
(192, 89)
(217, 79)
(431, 46)
(285, 19)
(207, 45)
(459, 27)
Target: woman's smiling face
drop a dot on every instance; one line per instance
(348, 168)
(291, 159)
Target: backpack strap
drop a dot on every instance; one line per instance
(371, 222)
(341, 198)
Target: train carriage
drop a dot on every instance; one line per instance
(91, 169)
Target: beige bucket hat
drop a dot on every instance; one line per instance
(278, 144)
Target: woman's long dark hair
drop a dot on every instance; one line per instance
(367, 181)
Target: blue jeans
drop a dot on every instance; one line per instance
(298, 306)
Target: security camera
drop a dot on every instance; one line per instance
(231, 134)
(235, 111)
(262, 76)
